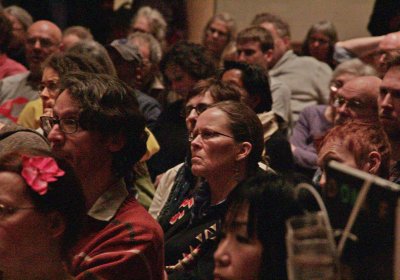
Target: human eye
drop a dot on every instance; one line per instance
(208, 134)
(69, 125)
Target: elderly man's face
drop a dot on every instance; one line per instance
(357, 99)
(389, 103)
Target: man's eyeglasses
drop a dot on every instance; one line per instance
(335, 85)
(52, 86)
(8, 210)
(207, 135)
(67, 126)
(200, 108)
(352, 103)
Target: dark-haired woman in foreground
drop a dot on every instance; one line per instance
(252, 244)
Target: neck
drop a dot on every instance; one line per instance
(94, 186)
(221, 187)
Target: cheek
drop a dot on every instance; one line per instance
(248, 263)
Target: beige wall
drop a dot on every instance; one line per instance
(198, 13)
(350, 16)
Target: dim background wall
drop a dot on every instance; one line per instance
(349, 16)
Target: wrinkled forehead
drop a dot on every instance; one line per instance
(361, 88)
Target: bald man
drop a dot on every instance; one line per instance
(357, 99)
(44, 39)
(389, 48)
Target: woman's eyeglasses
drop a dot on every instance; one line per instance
(207, 135)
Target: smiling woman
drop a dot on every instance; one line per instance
(41, 214)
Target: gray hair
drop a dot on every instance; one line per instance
(154, 45)
(228, 20)
(355, 67)
(21, 14)
(157, 22)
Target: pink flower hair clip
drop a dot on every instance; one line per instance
(38, 171)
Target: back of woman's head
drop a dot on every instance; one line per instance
(245, 127)
(64, 63)
(95, 51)
(63, 194)
(270, 202)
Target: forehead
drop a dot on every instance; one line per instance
(271, 28)
(142, 23)
(233, 75)
(213, 118)
(12, 188)
(392, 78)
(219, 25)
(361, 89)
(204, 98)
(44, 30)
(65, 106)
(319, 35)
(334, 148)
(253, 45)
(50, 74)
(345, 77)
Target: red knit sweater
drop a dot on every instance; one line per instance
(130, 246)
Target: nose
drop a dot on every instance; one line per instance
(221, 255)
(241, 57)
(386, 101)
(191, 120)
(55, 135)
(37, 44)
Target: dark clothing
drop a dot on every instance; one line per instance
(171, 134)
(149, 107)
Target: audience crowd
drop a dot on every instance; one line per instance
(144, 160)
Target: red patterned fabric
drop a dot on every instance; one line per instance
(130, 246)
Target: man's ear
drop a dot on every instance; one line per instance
(287, 42)
(55, 224)
(116, 142)
(268, 56)
(374, 163)
(243, 151)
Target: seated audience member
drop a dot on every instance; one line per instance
(97, 51)
(150, 50)
(8, 66)
(255, 45)
(149, 20)
(364, 146)
(98, 128)
(44, 38)
(42, 210)
(320, 42)
(314, 121)
(226, 146)
(54, 68)
(357, 99)
(252, 242)
(75, 34)
(389, 114)
(307, 78)
(21, 20)
(184, 65)
(128, 63)
(253, 80)
(219, 31)
(376, 51)
(178, 182)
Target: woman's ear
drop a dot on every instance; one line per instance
(243, 151)
(56, 224)
(374, 163)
